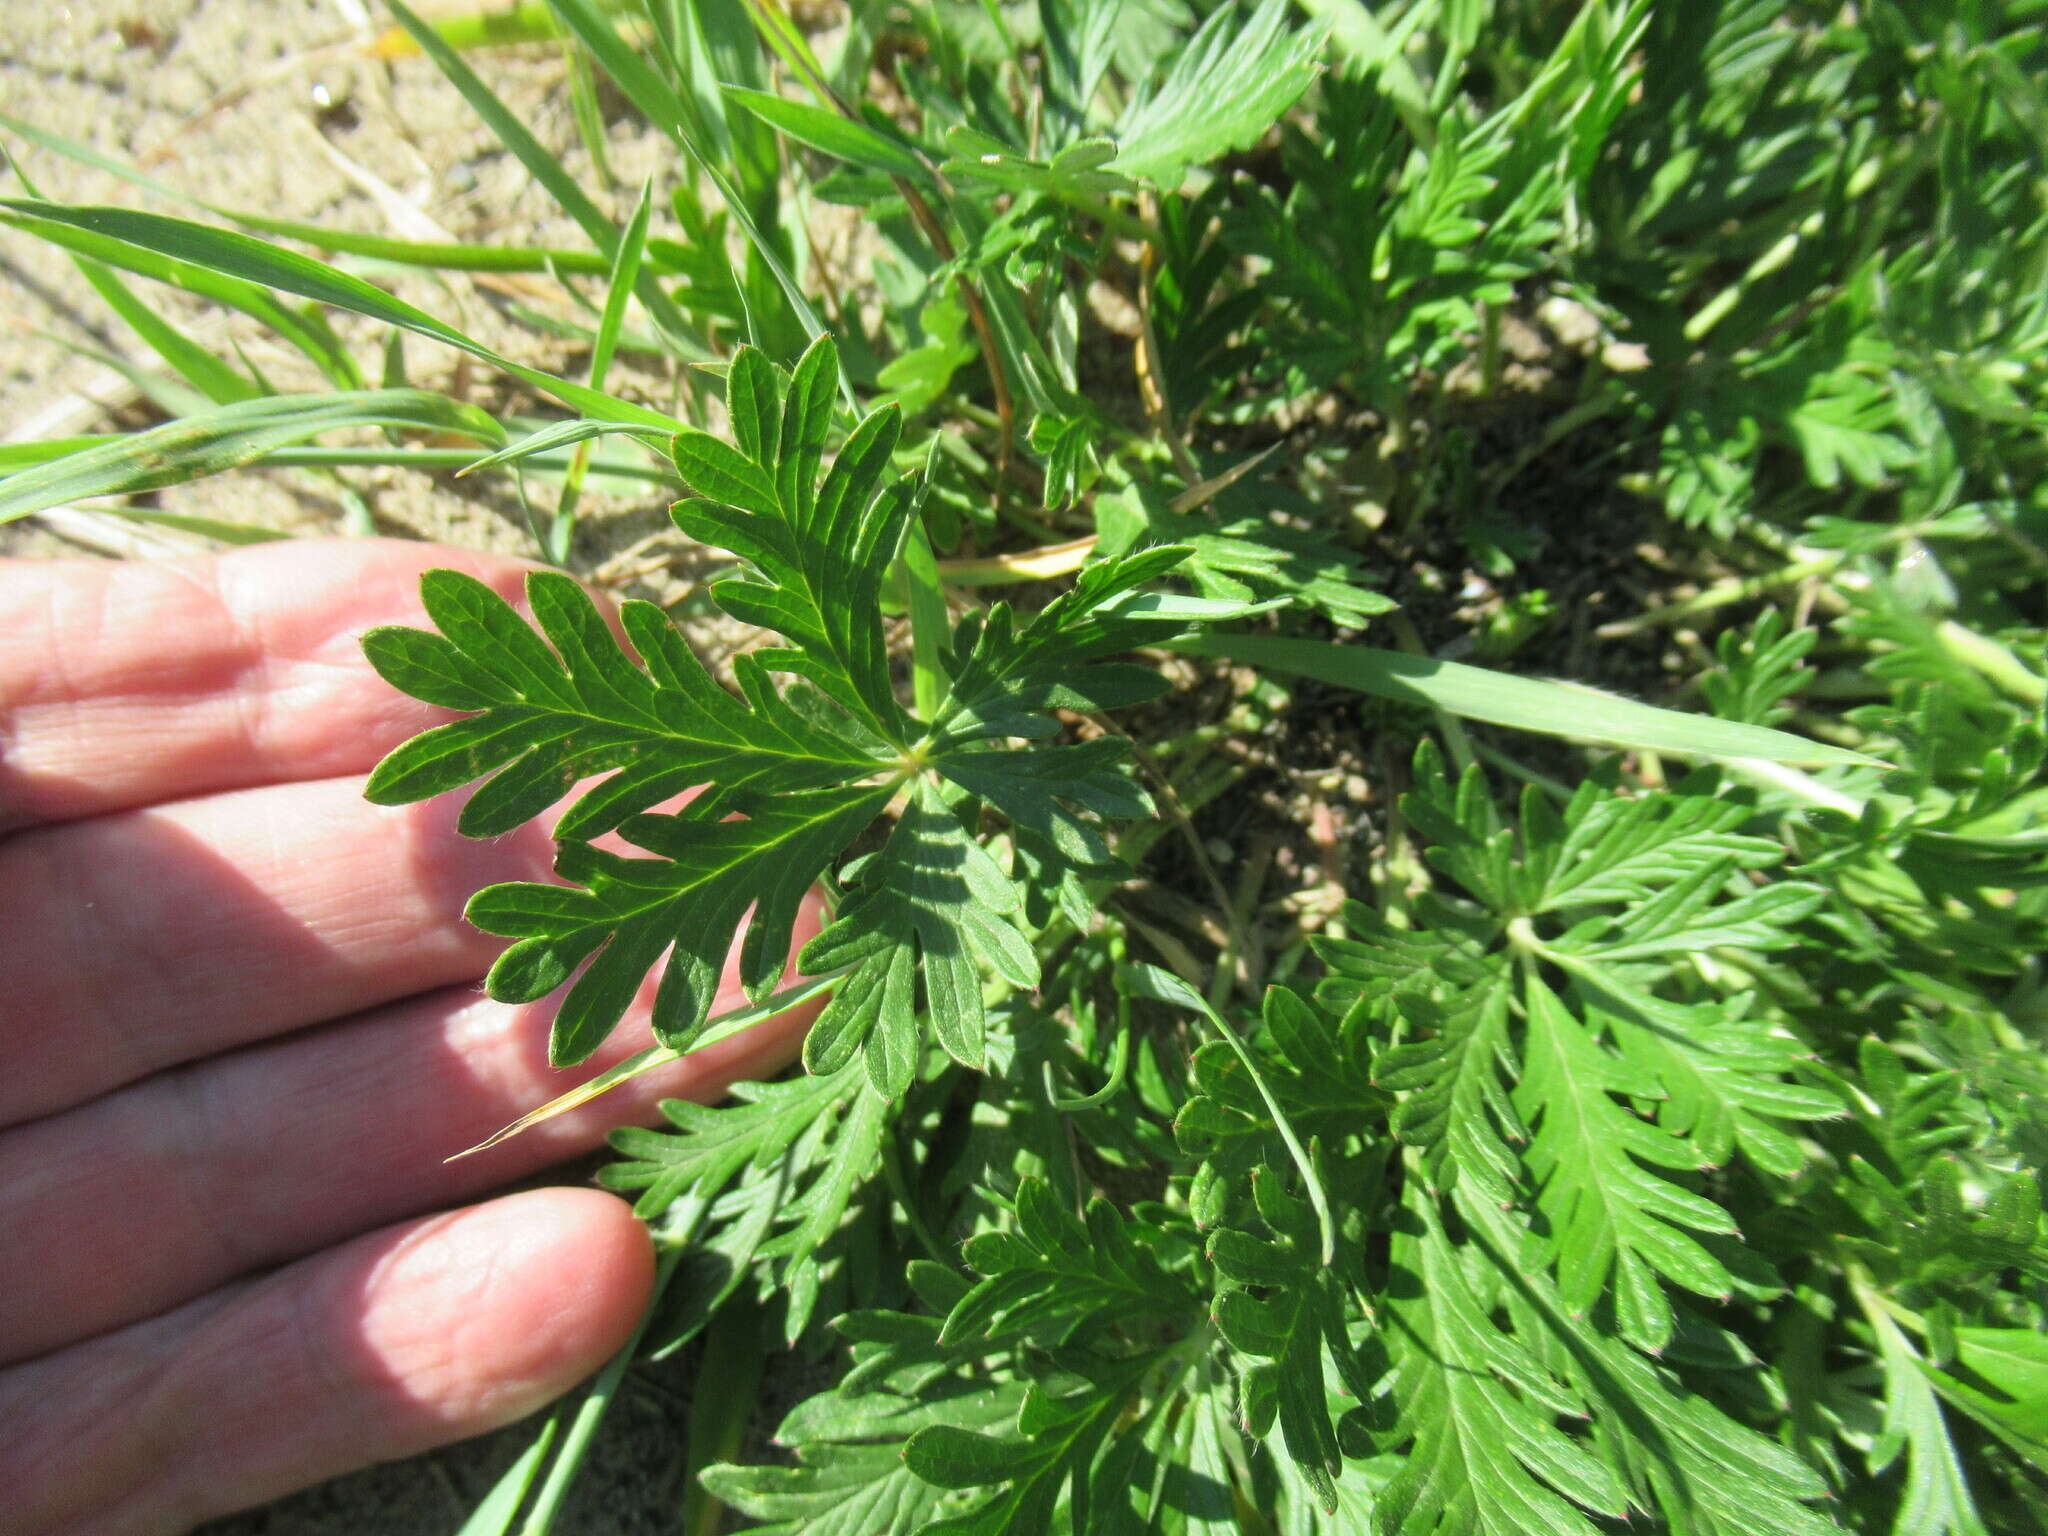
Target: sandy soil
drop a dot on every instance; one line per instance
(262, 105)
(272, 106)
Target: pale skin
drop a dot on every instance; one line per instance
(242, 1027)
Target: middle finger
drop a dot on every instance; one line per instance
(140, 940)
(159, 1191)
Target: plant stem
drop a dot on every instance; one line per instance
(591, 1411)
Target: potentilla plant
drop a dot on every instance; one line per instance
(1632, 1119)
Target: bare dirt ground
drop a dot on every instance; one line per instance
(273, 106)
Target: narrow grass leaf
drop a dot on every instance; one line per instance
(678, 117)
(232, 435)
(252, 299)
(237, 255)
(844, 138)
(1522, 703)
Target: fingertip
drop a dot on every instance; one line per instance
(401, 1341)
(476, 1319)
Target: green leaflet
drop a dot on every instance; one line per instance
(821, 550)
(1482, 1401)
(932, 886)
(851, 1479)
(1281, 1303)
(1063, 1427)
(687, 904)
(1937, 1497)
(1057, 1277)
(549, 717)
(1234, 78)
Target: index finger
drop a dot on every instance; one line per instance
(129, 684)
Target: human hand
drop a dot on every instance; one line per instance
(242, 1028)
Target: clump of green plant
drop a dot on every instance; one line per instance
(1644, 1130)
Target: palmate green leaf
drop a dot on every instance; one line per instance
(209, 442)
(1249, 557)
(1606, 1082)
(1162, 986)
(1062, 1428)
(1056, 1278)
(1683, 1457)
(851, 1478)
(1227, 87)
(1287, 1310)
(932, 886)
(814, 1216)
(1686, 918)
(796, 774)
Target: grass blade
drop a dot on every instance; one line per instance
(844, 138)
(251, 299)
(205, 527)
(680, 119)
(561, 434)
(228, 253)
(494, 1516)
(411, 253)
(225, 438)
(724, 1027)
(1522, 703)
(192, 362)
(625, 272)
(513, 134)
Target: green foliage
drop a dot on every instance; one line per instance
(797, 772)
(1236, 75)
(1378, 1092)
